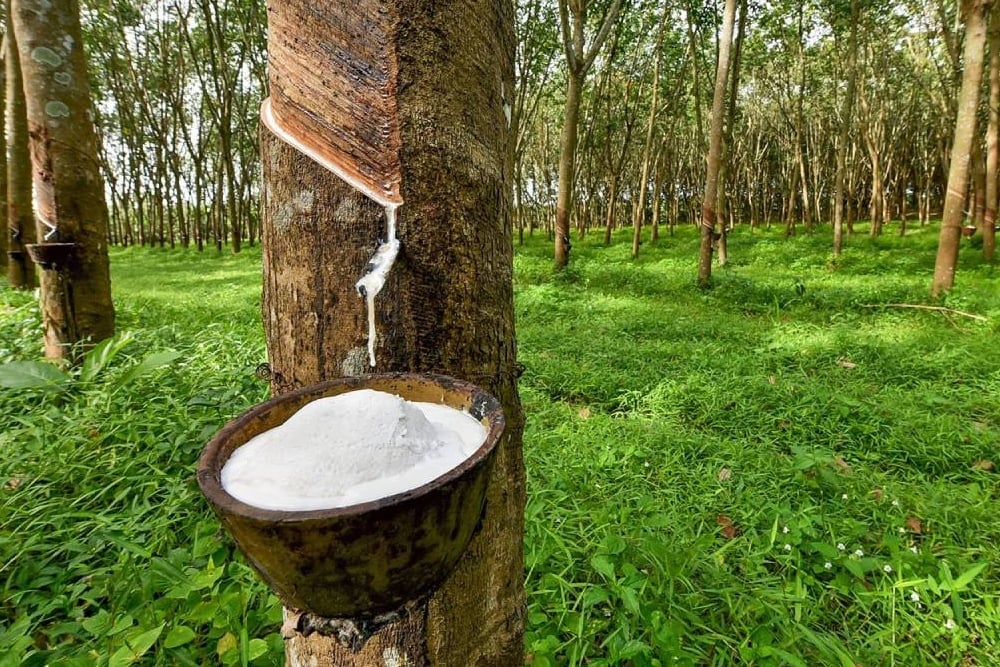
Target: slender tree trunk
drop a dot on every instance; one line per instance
(20, 217)
(978, 184)
(949, 239)
(567, 168)
(846, 112)
(3, 159)
(726, 209)
(647, 150)
(715, 148)
(447, 306)
(69, 190)
(992, 143)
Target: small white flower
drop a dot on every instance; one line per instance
(840, 546)
(915, 596)
(844, 497)
(646, 464)
(785, 530)
(895, 503)
(949, 624)
(887, 568)
(859, 553)
(902, 530)
(788, 547)
(914, 549)
(828, 565)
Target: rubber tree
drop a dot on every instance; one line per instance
(573, 16)
(992, 143)
(20, 227)
(3, 156)
(844, 131)
(976, 20)
(69, 191)
(376, 104)
(708, 213)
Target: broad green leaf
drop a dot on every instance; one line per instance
(964, 579)
(135, 647)
(603, 566)
(178, 636)
(102, 354)
(123, 623)
(148, 364)
(226, 643)
(258, 647)
(97, 624)
(31, 375)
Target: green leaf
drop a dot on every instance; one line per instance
(31, 375)
(148, 364)
(102, 354)
(604, 567)
(964, 579)
(634, 648)
(123, 623)
(135, 648)
(97, 624)
(178, 636)
(258, 647)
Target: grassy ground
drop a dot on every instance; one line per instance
(782, 470)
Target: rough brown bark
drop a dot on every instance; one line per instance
(992, 143)
(976, 14)
(447, 306)
(715, 148)
(402, 643)
(20, 227)
(579, 59)
(69, 190)
(3, 160)
(846, 112)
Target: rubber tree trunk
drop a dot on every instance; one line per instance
(69, 190)
(412, 111)
(715, 149)
(567, 168)
(992, 142)
(3, 161)
(844, 133)
(976, 16)
(20, 218)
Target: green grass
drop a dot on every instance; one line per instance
(694, 461)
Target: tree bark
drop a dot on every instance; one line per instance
(647, 148)
(976, 15)
(992, 143)
(846, 112)
(572, 17)
(447, 306)
(715, 148)
(3, 157)
(69, 190)
(20, 218)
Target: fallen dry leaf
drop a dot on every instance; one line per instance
(846, 363)
(729, 529)
(877, 494)
(914, 525)
(725, 474)
(984, 465)
(842, 465)
(771, 379)
(13, 483)
(584, 413)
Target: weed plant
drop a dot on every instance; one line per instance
(783, 470)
